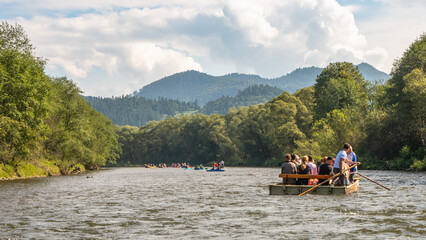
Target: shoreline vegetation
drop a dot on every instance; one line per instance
(24, 170)
(47, 128)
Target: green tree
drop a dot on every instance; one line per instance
(340, 85)
(415, 90)
(78, 134)
(23, 92)
(340, 126)
(401, 116)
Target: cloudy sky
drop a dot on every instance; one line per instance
(110, 47)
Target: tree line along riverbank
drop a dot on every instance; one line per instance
(47, 127)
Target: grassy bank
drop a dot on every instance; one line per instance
(20, 170)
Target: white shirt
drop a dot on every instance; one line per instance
(340, 155)
(313, 167)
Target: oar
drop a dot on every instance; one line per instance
(281, 149)
(332, 177)
(373, 181)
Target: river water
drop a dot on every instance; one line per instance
(140, 203)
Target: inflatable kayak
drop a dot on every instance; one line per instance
(215, 170)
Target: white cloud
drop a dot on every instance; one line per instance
(250, 19)
(116, 47)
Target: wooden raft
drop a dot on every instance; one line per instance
(290, 189)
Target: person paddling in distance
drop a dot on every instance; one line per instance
(221, 164)
(341, 159)
(353, 171)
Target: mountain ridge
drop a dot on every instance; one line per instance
(194, 86)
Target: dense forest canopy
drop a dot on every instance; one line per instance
(138, 111)
(44, 121)
(252, 95)
(385, 122)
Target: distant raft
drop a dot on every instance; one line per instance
(215, 170)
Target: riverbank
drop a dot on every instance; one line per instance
(45, 168)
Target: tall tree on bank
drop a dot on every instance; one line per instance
(43, 120)
(23, 92)
(340, 85)
(78, 134)
(401, 126)
(341, 101)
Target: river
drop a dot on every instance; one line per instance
(140, 203)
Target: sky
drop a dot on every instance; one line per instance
(110, 48)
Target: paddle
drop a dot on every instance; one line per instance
(373, 181)
(332, 177)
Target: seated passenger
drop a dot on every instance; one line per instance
(312, 165)
(326, 169)
(294, 159)
(323, 160)
(288, 167)
(303, 169)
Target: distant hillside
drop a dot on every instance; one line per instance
(137, 111)
(250, 96)
(372, 74)
(202, 88)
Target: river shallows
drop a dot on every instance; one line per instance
(140, 203)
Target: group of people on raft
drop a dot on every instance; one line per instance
(216, 166)
(163, 165)
(328, 166)
(219, 165)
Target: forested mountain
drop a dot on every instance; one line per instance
(383, 122)
(198, 87)
(250, 96)
(137, 111)
(195, 86)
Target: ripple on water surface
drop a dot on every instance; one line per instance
(169, 203)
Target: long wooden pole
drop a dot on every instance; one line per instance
(332, 177)
(373, 181)
(281, 149)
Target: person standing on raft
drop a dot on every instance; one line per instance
(341, 159)
(353, 171)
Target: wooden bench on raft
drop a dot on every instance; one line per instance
(294, 177)
(308, 176)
